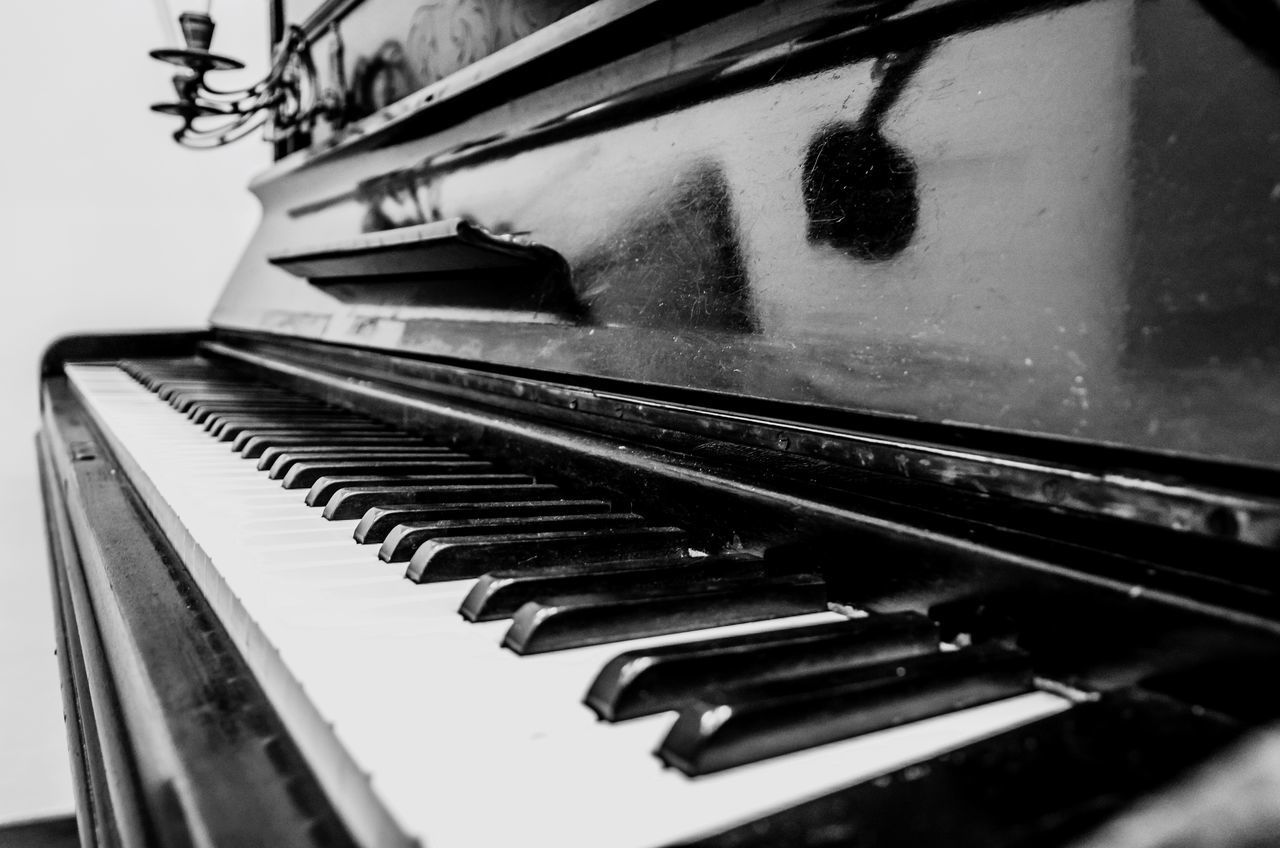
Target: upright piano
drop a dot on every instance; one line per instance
(722, 423)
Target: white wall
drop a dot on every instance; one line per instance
(105, 223)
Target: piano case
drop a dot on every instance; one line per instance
(712, 424)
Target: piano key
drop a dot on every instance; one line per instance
(756, 722)
(343, 499)
(471, 556)
(174, 392)
(227, 428)
(251, 445)
(401, 544)
(1044, 783)
(439, 487)
(499, 594)
(378, 521)
(364, 460)
(234, 432)
(298, 532)
(303, 475)
(198, 413)
(183, 396)
(572, 621)
(286, 456)
(639, 683)
(183, 399)
(297, 418)
(332, 656)
(187, 402)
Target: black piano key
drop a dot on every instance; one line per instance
(1039, 785)
(278, 459)
(653, 680)
(189, 401)
(190, 404)
(278, 415)
(405, 540)
(372, 461)
(499, 594)
(347, 500)
(228, 431)
(207, 419)
(443, 488)
(471, 556)
(747, 724)
(199, 413)
(575, 621)
(215, 425)
(304, 474)
(298, 418)
(225, 428)
(378, 521)
(183, 399)
(176, 391)
(253, 445)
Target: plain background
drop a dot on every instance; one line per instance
(105, 224)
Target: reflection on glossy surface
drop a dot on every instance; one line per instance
(675, 263)
(860, 188)
(391, 48)
(1065, 222)
(379, 79)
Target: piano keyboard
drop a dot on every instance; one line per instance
(422, 723)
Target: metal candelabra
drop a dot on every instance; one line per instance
(286, 101)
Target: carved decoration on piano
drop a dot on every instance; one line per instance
(447, 35)
(442, 37)
(381, 79)
(450, 34)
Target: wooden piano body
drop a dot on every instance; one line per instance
(961, 310)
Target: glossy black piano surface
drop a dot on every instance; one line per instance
(949, 325)
(1020, 216)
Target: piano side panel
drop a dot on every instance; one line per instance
(96, 817)
(192, 753)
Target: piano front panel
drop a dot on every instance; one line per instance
(1053, 244)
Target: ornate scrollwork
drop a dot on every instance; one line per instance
(447, 35)
(286, 101)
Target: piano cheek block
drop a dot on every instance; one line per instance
(734, 728)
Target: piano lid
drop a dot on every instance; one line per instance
(1058, 218)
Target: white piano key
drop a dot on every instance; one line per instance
(464, 742)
